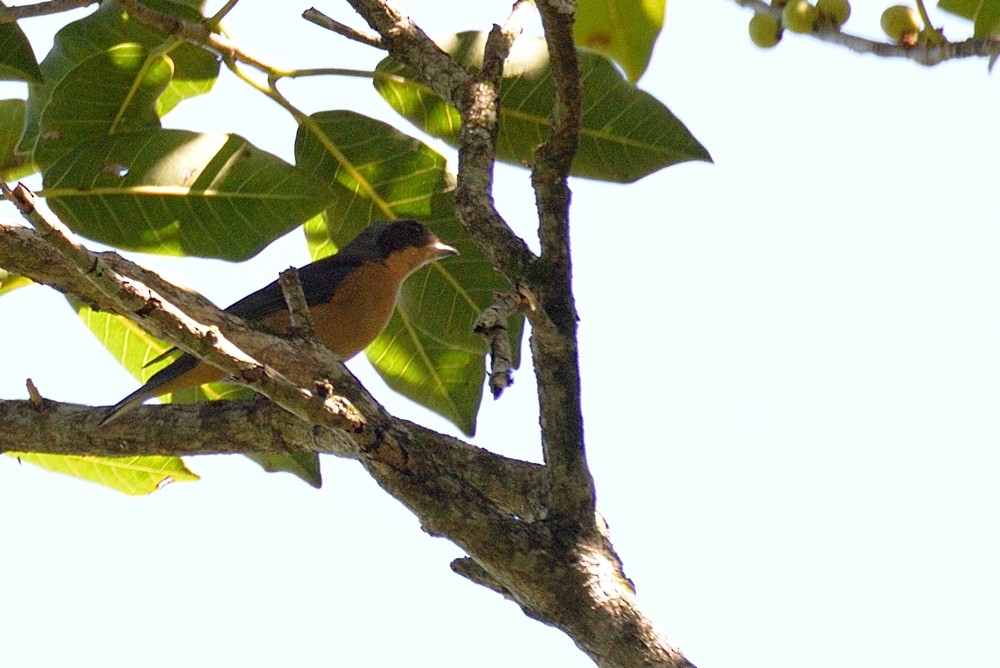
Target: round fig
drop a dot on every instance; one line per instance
(799, 16)
(765, 31)
(901, 24)
(834, 12)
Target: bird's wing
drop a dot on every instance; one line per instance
(319, 279)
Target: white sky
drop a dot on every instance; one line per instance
(791, 365)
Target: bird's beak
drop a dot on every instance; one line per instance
(441, 249)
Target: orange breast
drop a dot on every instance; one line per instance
(358, 313)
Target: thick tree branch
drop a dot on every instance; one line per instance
(553, 338)
(211, 428)
(254, 426)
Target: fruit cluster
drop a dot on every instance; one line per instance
(901, 23)
(797, 16)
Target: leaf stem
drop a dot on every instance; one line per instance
(932, 34)
(331, 71)
(216, 19)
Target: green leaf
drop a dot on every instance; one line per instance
(111, 92)
(984, 13)
(130, 345)
(626, 133)
(373, 171)
(304, 466)
(180, 193)
(967, 9)
(10, 282)
(134, 348)
(623, 30)
(427, 352)
(195, 69)
(131, 475)
(17, 60)
(13, 165)
(987, 19)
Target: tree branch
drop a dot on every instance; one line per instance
(317, 17)
(928, 54)
(198, 33)
(17, 12)
(479, 107)
(253, 426)
(553, 338)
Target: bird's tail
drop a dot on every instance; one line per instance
(124, 406)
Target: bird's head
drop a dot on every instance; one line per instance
(402, 245)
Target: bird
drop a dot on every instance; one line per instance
(351, 296)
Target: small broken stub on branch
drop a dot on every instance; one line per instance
(34, 396)
(492, 326)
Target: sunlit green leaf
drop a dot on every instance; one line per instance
(131, 475)
(10, 282)
(111, 92)
(13, 165)
(987, 19)
(195, 69)
(180, 193)
(428, 352)
(374, 172)
(626, 133)
(985, 14)
(304, 466)
(623, 30)
(967, 9)
(17, 60)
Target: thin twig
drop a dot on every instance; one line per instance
(199, 33)
(924, 53)
(313, 15)
(492, 326)
(299, 318)
(480, 110)
(17, 12)
(214, 21)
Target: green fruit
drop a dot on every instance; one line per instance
(799, 16)
(901, 24)
(834, 12)
(765, 31)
